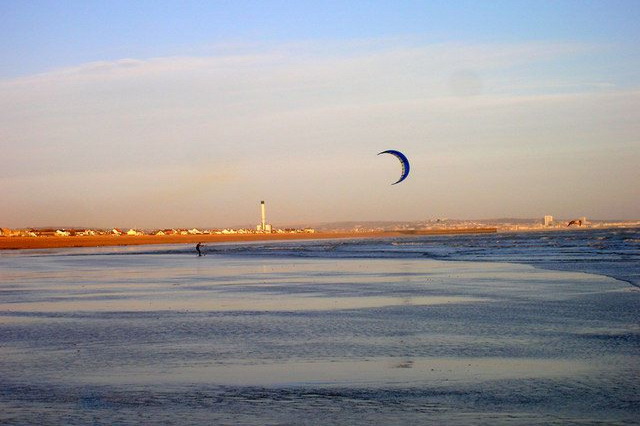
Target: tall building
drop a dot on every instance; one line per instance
(548, 220)
(264, 226)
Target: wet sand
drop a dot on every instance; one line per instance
(132, 335)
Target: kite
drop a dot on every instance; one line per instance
(403, 160)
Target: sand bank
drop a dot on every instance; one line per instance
(16, 243)
(112, 240)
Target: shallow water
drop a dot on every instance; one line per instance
(246, 336)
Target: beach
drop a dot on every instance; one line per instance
(338, 331)
(320, 213)
(16, 243)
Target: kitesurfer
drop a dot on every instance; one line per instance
(198, 249)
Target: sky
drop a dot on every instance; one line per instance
(154, 114)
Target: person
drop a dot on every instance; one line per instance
(198, 249)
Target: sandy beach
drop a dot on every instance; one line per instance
(16, 243)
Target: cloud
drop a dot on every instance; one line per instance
(284, 119)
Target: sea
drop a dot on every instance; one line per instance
(508, 328)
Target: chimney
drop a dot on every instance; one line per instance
(264, 216)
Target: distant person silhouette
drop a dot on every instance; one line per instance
(198, 249)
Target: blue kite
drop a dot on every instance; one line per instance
(403, 160)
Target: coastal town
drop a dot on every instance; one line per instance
(263, 228)
(497, 225)
(545, 223)
(134, 232)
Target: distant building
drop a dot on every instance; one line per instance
(263, 226)
(548, 220)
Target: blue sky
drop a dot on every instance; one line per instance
(40, 35)
(189, 113)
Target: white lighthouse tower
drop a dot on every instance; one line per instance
(264, 226)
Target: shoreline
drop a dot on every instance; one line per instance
(27, 243)
(51, 242)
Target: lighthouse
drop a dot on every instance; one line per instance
(263, 227)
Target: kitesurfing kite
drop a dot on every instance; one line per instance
(403, 160)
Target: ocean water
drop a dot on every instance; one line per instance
(522, 328)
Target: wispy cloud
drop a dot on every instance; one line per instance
(251, 113)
